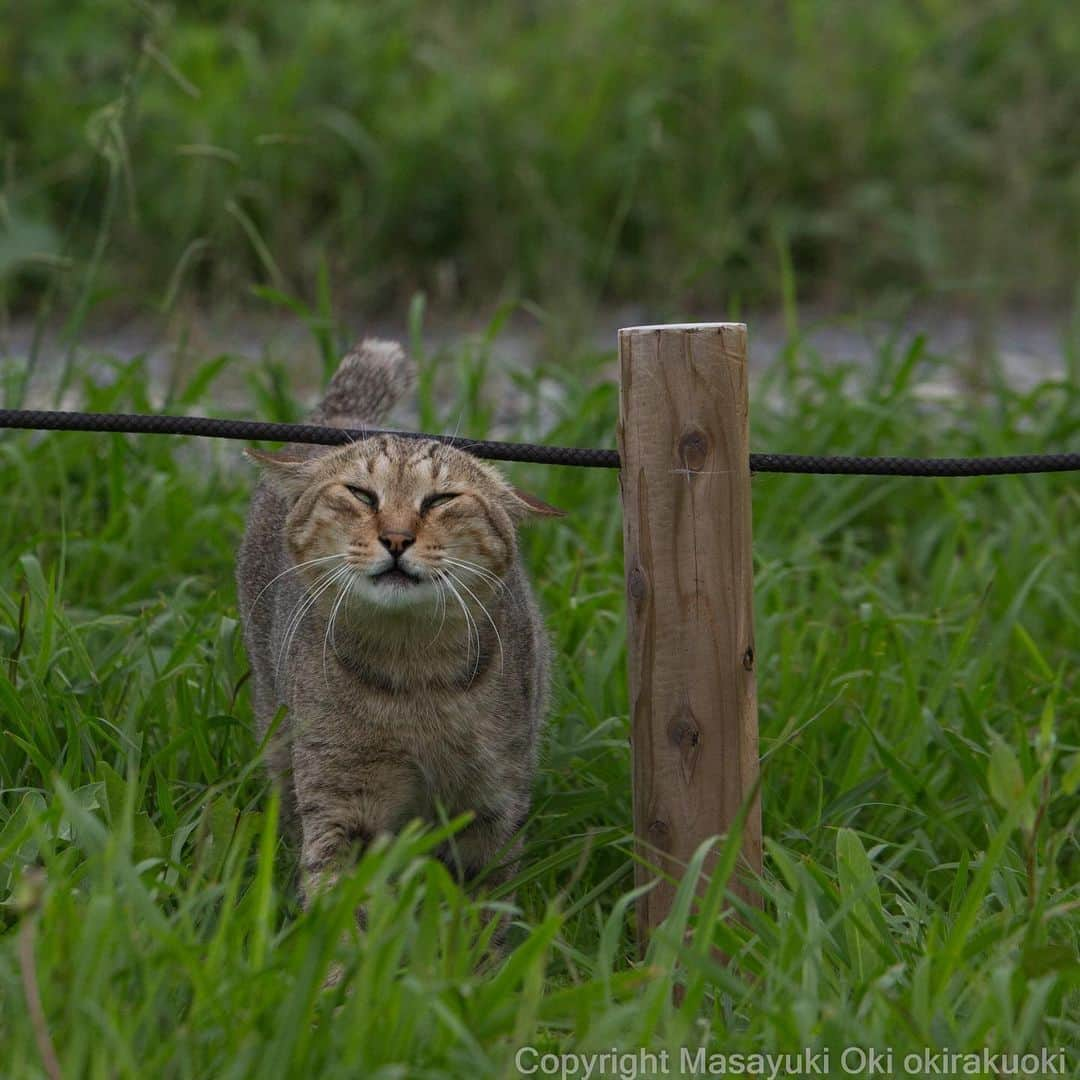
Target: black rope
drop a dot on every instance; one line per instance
(259, 430)
(266, 431)
(903, 466)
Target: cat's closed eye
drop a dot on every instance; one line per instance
(437, 499)
(368, 498)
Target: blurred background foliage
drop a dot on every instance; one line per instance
(687, 152)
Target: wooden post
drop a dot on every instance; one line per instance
(684, 445)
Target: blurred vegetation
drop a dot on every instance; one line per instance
(679, 153)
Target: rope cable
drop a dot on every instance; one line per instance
(587, 457)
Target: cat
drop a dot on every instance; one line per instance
(385, 605)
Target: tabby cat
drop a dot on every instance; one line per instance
(384, 604)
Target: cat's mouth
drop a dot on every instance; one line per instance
(395, 575)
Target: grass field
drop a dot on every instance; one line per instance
(919, 646)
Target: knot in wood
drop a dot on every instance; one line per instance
(748, 659)
(659, 831)
(693, 449)
(639, 586)
(684, 732)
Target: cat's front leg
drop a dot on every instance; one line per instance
(487, 849)
(485, 855)
(345, 799)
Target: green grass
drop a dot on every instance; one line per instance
(918, 644)
(564, 151)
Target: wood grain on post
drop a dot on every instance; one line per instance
(684, 446)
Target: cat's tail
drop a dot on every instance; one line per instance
(372, 377)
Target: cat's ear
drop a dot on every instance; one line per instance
(288, 473)
(523, 505)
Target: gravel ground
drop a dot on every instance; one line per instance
(1027, 348)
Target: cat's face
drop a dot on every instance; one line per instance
(410, 520)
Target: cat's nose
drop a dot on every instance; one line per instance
(396, 540)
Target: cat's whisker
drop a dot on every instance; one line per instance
(307, 602)
(460, 418)
(440, 589)
(434, 579)
(498, 591)
(292, 570)
(463, 566)
(320, 579)
(442, 596)
(447, 587)
(328, 635)
(340, 573)
(297, 614)
(495, 582)
(444, 586)
(470, 627)
(325, 576)
(350, 584)
(487, 614)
